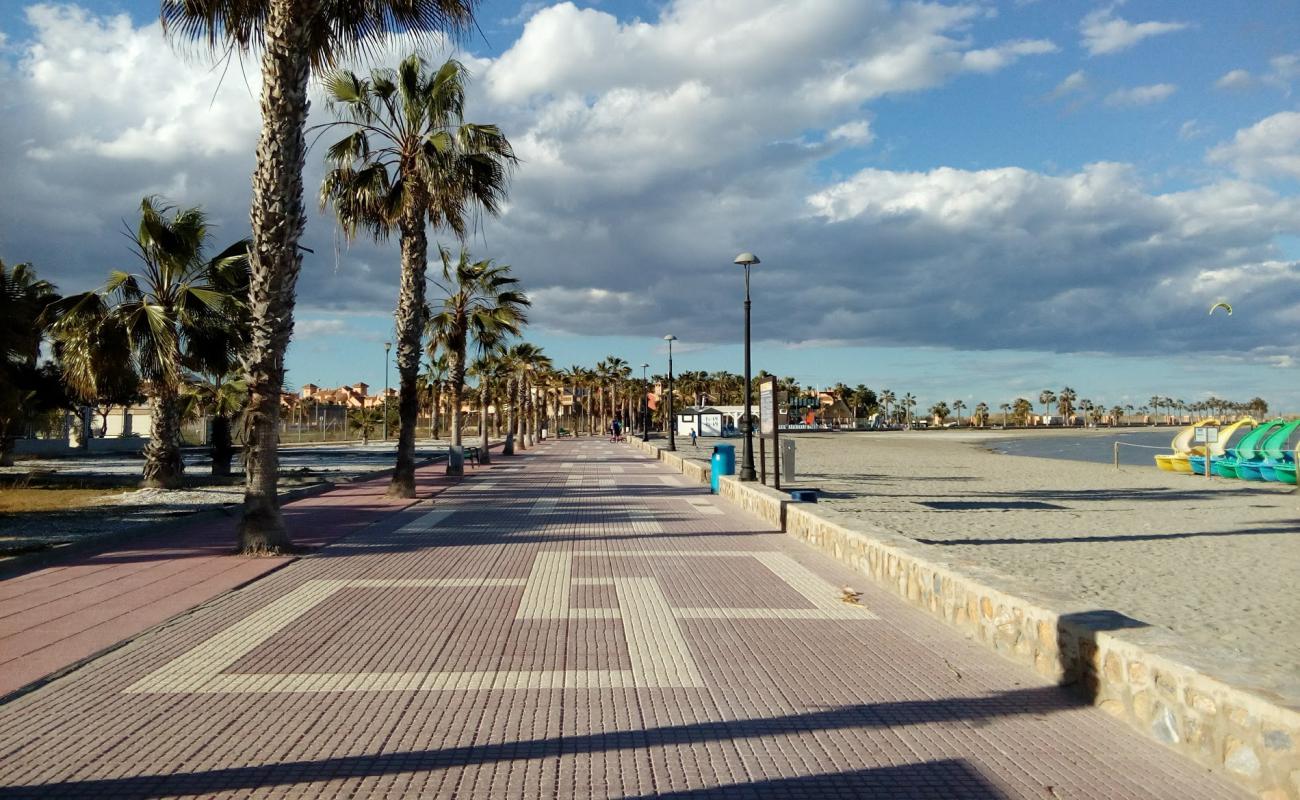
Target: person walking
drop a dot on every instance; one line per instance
(694, 443)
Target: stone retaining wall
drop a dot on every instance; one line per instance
(1135, 672)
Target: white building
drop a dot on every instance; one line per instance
(713, 420)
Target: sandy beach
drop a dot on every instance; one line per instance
(1214, 561)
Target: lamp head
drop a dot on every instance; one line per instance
(388, 346)
(746, 259)
(645, 366)
(670, 338)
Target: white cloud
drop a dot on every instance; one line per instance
(1268, 149)
(1074, 82)
(857, 132)
(1105, 33)
(1141, 95)
(653, 152)
(1284, 70)
(1191, 129)
(1235, 79)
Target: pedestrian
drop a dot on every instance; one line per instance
(694, 443)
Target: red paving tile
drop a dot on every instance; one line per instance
(565, 624)
(53, 617)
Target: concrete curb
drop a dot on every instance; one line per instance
(1139, 674)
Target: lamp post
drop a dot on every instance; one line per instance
(672, 419)
(747, 473)
(387, 347)
(645, 403)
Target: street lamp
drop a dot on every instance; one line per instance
(645, 403)
(387, 346)
(672, 419)
(747, 473)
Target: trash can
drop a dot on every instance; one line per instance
(722, 463)
(787, 460)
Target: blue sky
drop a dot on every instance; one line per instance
(962, 200)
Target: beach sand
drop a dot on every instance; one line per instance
(1214, 561)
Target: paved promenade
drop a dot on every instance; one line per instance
(572, 622)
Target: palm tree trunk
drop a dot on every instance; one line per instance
(163, 467)
(455, 460)
(437, 412)
(277, 221)
(484, 457)
(512, 417)
(223, 449)
(410, 327)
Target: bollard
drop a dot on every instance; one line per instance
(1116, 448)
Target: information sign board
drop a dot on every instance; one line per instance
(766, 409)
(1206, 434)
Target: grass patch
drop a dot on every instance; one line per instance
(19, 500)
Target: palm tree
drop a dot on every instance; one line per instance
(981, 414)
(1005, 408)
(887, 399)
(431, 383)
(293, 37)
(487, 369)
(909, 403)
(365, 421)
(1046, 397)
(1021, 410)
(1065, 403)
(957, 406)
(940, 412)
(176, 311)
(408, 159)
(26, 389)
(481, 301)
(224, 396)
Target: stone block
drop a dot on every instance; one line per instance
(986, 608)
(1240, 758)
(1143, 705)
(1138, 674)
(1114, 669)
(1278, 741)
(1113, 707)
(1203, 703)
(1164, 726)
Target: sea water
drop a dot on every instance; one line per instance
(1094, 447)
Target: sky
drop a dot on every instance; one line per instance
(961, 200)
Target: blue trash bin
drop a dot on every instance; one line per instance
(722, 463)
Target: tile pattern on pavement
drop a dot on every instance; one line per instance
(568, 623)
(52, 617)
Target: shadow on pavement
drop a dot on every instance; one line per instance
(941, 778)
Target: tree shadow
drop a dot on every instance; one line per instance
(941, 778)
(1282, 530)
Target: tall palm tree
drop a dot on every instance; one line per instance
(909, 403)
(1046, 397)
(409, 158)
(521, 359)
(294, 37)
(1065, 403)
(480, 301)
(887, 399)
(431, 384)
(224, 396)
(173, 314)
(957, 407)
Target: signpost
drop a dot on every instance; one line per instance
(1207, 435)
(768, 426)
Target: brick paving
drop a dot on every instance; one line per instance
(571, 622)
(53, 617)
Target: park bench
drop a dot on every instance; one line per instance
(472, 454)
